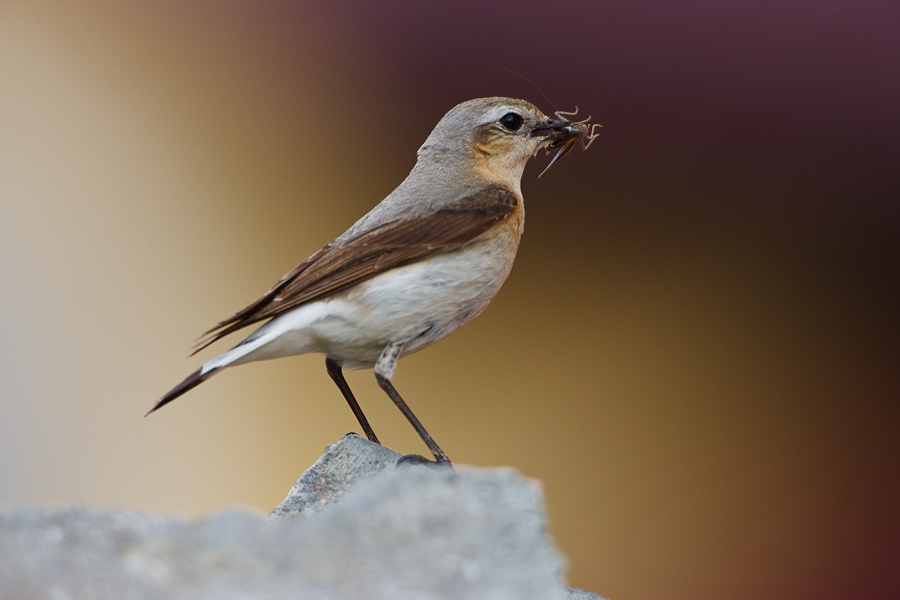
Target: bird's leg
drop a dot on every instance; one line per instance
(384, 372)
(334, 370)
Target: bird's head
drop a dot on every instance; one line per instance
(494, 137)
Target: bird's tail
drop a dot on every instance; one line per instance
(211, 367)
(192, 381)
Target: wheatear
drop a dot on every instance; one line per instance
(420, 265)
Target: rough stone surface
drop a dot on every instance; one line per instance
(355, 526)
(576, 594)
(343, 464)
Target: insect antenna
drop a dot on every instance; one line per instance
(536, 86)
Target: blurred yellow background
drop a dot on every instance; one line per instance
(697, 351)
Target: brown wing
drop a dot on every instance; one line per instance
(339, 266)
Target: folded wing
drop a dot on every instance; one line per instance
(339, 266)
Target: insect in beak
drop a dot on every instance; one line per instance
(564, 134)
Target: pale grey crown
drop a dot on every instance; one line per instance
(460, 127)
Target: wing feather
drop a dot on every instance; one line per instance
(339, 266)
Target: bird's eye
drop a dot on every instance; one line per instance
(512, 121)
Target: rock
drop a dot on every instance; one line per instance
(354, 526)
(343, 464)
(576, 594)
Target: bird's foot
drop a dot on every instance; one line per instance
(357, 435)
(418, 459)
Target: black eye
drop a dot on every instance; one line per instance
(511, 121)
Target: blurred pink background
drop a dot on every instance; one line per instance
(697, 351)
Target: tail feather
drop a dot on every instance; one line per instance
(210, 367)
(192, 381)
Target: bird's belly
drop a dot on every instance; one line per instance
(421, 303)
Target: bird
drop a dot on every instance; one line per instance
(422, 263)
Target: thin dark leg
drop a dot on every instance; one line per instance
(388, 387)
(334, 370)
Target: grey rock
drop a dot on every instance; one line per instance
(343, 464)
(354, 526)
(576, 594)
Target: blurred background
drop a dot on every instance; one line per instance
(697, 351)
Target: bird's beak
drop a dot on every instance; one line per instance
(555, 130)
